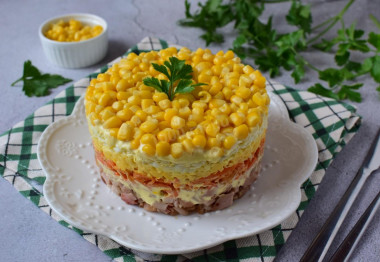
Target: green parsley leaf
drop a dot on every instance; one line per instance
(375, 72)
(374, 39)
(323, 91)
(347, 91)
(300, 15)
(37, 84)
(179, 75)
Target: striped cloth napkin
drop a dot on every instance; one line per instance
(331, 123)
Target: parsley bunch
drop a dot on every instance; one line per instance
(273, 51)
(36, 83)
(179, 75)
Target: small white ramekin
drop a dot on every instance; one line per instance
(75, 54)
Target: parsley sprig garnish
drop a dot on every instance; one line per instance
(37, 84)
(179, 78)
(356, 53)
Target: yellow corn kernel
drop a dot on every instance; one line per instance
(98, 109)
(248, 69)
(160, 116)
(243, 107)
(163, 148)
(260, 100)
(133, 108)
(232, 82)
(198, 111)
(141, 114)
(149, 125)
(144, 66)
(107, 113)
(114, 131)
(148, 139)
(213, 142)
(149, 149)
(225, 109)
(215, 88)
(218, 60)
(164, 104)
(122, 96)
(170, 113)
(183, 102)
(105, 99)
(176, 150)
(202, 66)
(199, 104)
(204, 96)
(214, 112)
(199, 141)
(135, 143)
(135, 120)
(212, 129)
(245, 80)
(260, 81)
(222, 119)
(253, 119)
(122, 85)
(176, 105)
(191, 124)
(151, 110)
(237, 68)
(229, 55)
(237, 118)
(177, 122)
(157, 97)
(163, 124)
(236, 99)
(215, 152)
(125, 132)
(188, 145)
(203, 78)
(184, 112)
(208, 56)
(227, 92)
(229, 142)
(117, 106)
(145, 94)
(183, 56)
(216, 70)
(241, 132)
(134, 100)
(115, 78)
(168, 135)
(124, 114)
(216, 103)
(112, 122)
(145, 103)
(243, 92)
(228, 130)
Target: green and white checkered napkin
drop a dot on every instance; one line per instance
(331, 123)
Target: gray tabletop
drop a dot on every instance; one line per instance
(27, 233)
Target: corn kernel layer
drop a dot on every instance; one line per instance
(72, 31)
(213, 118)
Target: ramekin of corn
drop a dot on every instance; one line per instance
(74, 40)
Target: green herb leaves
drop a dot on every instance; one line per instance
(179, 78)
(37, 84)
(355, 54)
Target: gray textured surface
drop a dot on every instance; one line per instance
(27, 233)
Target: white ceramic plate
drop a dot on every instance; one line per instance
(75, 191)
